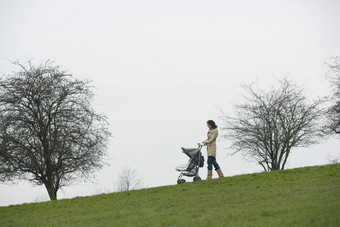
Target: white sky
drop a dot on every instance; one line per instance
(163, 68)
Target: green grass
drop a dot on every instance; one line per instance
(299, 197)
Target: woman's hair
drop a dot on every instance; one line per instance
(212, 123)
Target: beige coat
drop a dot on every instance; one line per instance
(211, 142)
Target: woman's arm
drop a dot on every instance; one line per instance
(213, 137)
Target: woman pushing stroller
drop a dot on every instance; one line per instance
(210, 142)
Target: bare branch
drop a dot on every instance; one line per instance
(127, 180)
(333, 113)
(49, 132)
(269, 124)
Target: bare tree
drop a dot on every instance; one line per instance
(128, 180)
(49, 133)
(334, 160)
(269, 124)
(333, 113)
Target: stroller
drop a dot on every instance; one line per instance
(191, 168)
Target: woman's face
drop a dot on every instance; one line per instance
(209, 126)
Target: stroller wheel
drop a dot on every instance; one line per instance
(197, 178)
(181, 181)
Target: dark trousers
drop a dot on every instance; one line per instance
(212, 162)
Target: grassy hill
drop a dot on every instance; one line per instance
(299, 197)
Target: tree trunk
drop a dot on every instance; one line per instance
(52, 192)
(275, 166)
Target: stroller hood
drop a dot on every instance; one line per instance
(191, 152)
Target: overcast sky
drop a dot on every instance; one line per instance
(163, 68)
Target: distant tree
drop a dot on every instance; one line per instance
(334, 110)
(128, 180)
(334, 160)
(49, 133)
(269, 124)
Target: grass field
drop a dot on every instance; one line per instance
(307, 196)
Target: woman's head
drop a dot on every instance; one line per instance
(211, 124)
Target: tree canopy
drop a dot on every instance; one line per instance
(269, 124)
(49, 133)
(334, 109)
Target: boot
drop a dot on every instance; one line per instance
(219, 172)
(209, 175)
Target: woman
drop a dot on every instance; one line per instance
(211, 149)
